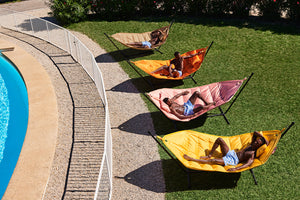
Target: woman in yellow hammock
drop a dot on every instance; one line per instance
(230, 157)
(175, 68)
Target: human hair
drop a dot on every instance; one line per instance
(166, 100)
(176, 53)
(263, 140)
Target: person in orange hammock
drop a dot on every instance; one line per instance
(175, 68)
(187, 110)
(230, 157)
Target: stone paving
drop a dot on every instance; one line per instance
(137, 169)
(87, 144)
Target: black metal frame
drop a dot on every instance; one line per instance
(234, 100)
(192, 75)
(212, 115)
(189, 171)
(284, 132)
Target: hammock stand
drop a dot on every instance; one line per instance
(189, 76)
(134, 68)
(238, 94)
(191, 171)
(222, 113)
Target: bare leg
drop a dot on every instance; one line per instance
(218, 161)
(161, 68)
(139, 44)
(196, 95)
(193, 99)
(219, 142)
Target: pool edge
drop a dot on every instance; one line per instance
(33, 169)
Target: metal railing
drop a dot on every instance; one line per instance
(65, 40)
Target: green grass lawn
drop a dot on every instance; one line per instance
(270, 100)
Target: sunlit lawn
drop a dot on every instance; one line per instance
(270, 100)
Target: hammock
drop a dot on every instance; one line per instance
(126, 38)
(220, 93)
(196, 144)
(190, 65)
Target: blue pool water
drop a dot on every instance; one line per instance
(13, 119)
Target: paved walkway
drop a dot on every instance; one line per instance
(85, 151)
(136, 164)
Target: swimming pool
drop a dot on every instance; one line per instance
(13, 119)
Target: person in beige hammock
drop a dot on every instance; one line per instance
(155, 35)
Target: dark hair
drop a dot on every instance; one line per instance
(176, 53)
(166, 100)
(263, 140)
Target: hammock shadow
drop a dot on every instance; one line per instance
(195, 123)
(139, 123)
(176, 179)
(142, 86)
(123, 54)
(148, 177)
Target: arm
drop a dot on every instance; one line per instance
(250, 160)
(192, 55)
(256, 135)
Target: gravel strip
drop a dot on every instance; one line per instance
(137, 170)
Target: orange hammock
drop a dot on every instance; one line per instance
(196, 144)
(220, 93)
(190, 65)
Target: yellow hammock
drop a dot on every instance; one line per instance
(126, 38)
(196, 144)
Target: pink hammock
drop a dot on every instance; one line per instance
(220, 93)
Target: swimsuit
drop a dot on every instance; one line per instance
(231, 158)
(146, 43)
(188, 108)
(179, 72)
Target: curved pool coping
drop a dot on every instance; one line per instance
(33, 169)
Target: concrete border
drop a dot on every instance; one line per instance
(32, 171)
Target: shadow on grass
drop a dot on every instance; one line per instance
(142, 85)
(123, 54)
(148, 178)
(176, 179)
(162, 124)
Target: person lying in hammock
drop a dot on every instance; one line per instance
(155, 39)
(187, 110)
(230, 157)
(175, 68)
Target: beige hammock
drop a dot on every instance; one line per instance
(127, 38)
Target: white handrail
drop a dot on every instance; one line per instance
(26, 23)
